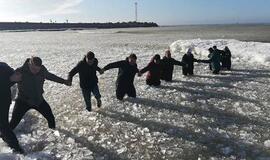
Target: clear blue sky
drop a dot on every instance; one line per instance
(164, 12)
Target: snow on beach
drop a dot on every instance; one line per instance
(204, 116)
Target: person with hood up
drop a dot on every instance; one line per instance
(30, 95)
(153, 70)
(7, 79)
(189, 60)
(126, 74)
(227, 58)
(167, 64)
(87, 69)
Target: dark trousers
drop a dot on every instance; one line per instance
(87, 96)
(151, 82)
(6, 132)
(187, 71)
(22, 107)
(121, 91)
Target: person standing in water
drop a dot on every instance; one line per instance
(167, 64)
(153, 70)
(126, 74)
(30, 95)
(87, 69)
(7, 79)
(189, 60)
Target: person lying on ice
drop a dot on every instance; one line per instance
(30, 95)
(153, 70)
(167, 64)
(126, 74)
(7, 79)
(87, 69)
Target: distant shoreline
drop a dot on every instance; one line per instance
(32, 26)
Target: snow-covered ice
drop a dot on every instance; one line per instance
(204, 116)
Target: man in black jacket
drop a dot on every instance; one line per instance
(167, 64)
(30, 95)
(127, 71)
(88, 78)
(7, 79)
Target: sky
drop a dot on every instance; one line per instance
(163, 12)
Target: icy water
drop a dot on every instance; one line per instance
(204, 116)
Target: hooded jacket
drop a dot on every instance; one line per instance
(87, 73)
(31, 86)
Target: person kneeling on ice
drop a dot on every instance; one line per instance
(126, 74)
(214, 60)
(7, 79)
(154, 71)
(167, 64)
(30, 95)
(189, 60)
(87, 69)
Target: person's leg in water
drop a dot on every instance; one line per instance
(97, 95)
(190, 71)
(45, 109)
(131, 91)
(120, 92)
(7, 134)
(184, 70)
(19, 111)
(87, 98)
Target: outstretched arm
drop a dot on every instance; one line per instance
(113, 65)
(54, 78)
(145, 69)
(175, 62)
(73, 72)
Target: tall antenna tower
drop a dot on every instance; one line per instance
(136, 11)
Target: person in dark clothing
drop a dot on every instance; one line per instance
(214, 60)
(7, 79)
(227, 58)
(189, 60)
(167, 64)
(88, 78)
(211, 51)
(30, 95)
(154, 71)
(126, 73)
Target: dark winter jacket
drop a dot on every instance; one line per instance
(31, 86)
(227, 59)
(167, 67)
(126, 72)
(215, 61)
(154, 73)
(5, 84)
(87, 73)
(189, 60)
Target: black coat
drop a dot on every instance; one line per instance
(189, 60)
(87, 73)
(126, 72)
(154, 73)
(5, 84)
(167, 68)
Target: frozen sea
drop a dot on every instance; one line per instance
(204, 116)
